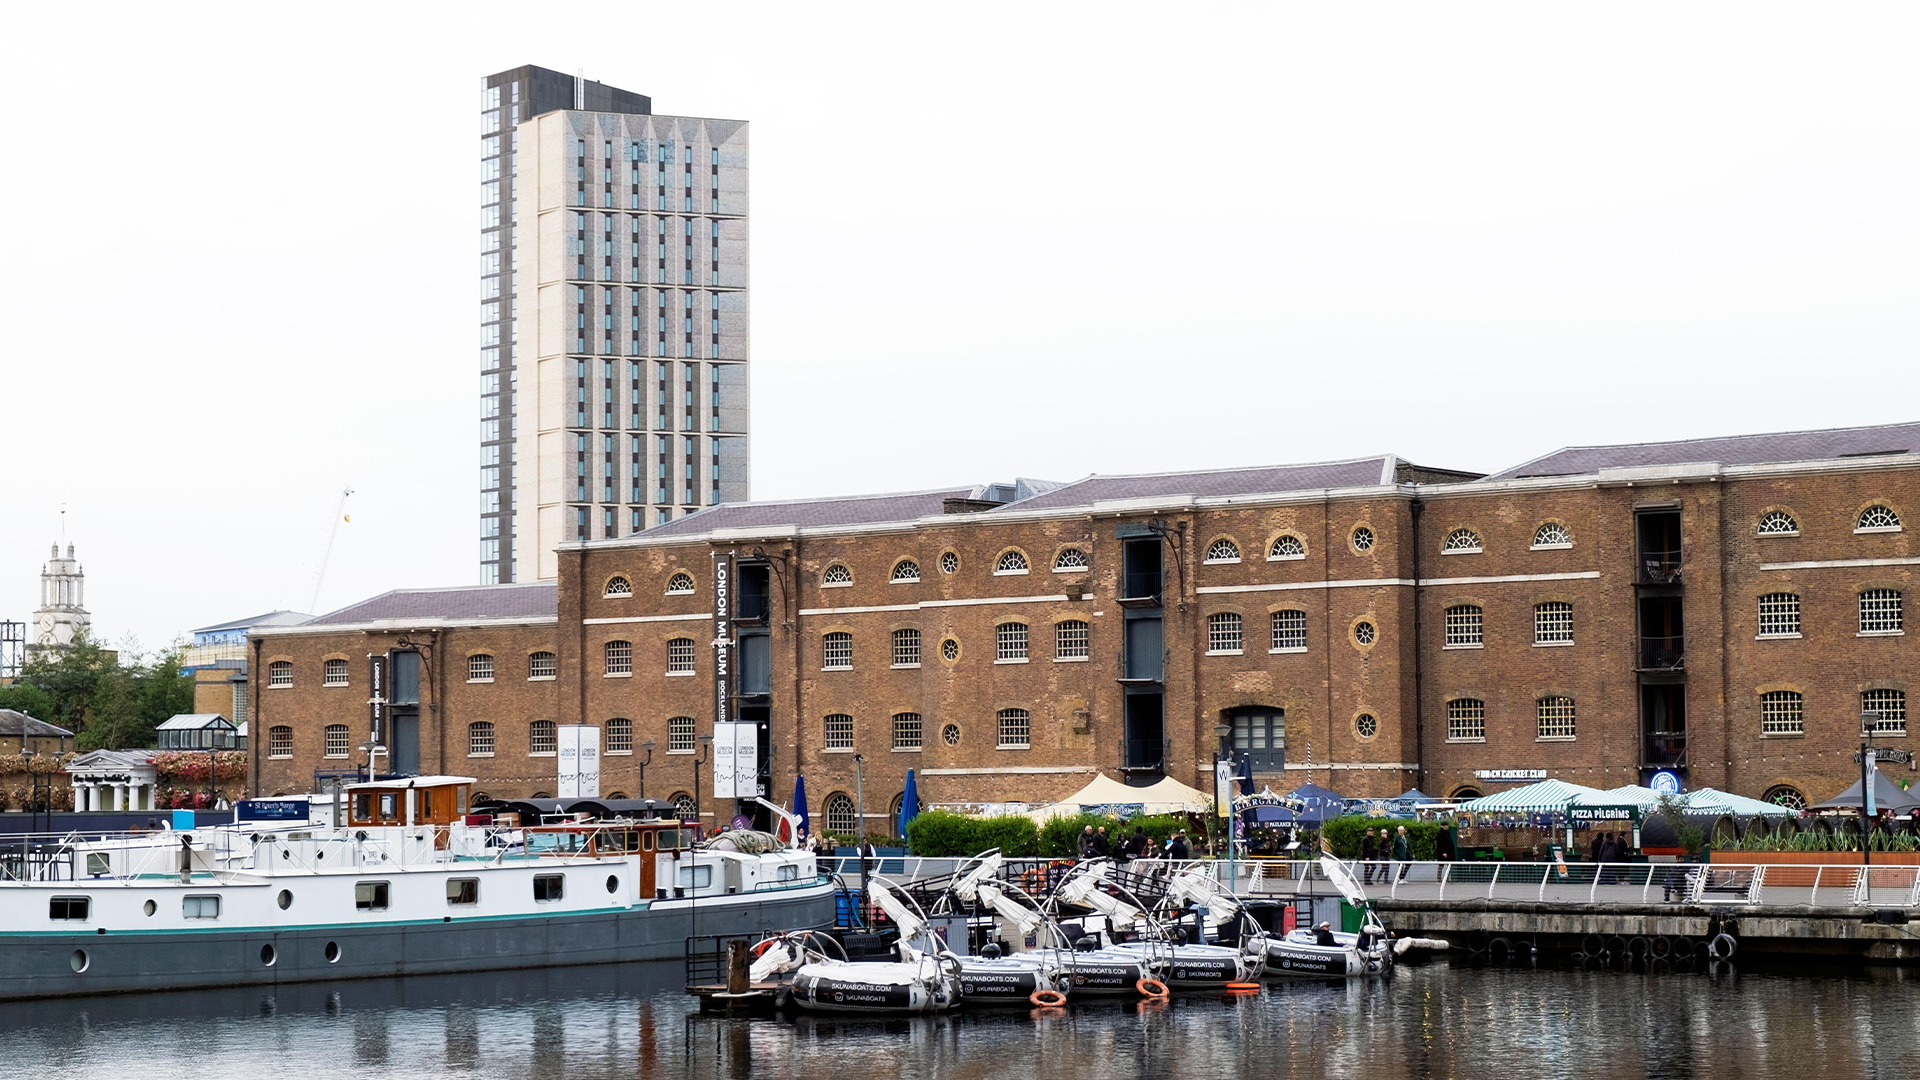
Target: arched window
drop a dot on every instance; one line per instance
(334, 673)
(542, 665)
(1287, 546)
(279, 674)
(619, 657)
(1462, 794)
(1466, 720)
(1785, 795)
(280, 741)
(619, 735)
(1011, 562)
(338, 740)
(836, 651)
(1224, 632)
(1461, 542)
(680, 735)
(680, 656)
(1071, 558)
(1223, 550)
(1883, 712)
(1552, 535)
(618, 585)
(1070, 640)
(1783, 712)
(837, 574)
(1878, 518)
(906, 731)
(906, 647)
(686, 807)
(839, 731)
(680, 584)
(1555, 717)
(1880, 611)
(1780, 615)
(543, 738)
(1009, 642)
(893, 813)
(1778, 523)
(480, 667)
(1015, 727)
(480, 739)
(1553, 623)
(1289, 631)
(841, 814)
(906, 570)
(1464, 626)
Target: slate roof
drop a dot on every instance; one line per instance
(1784, 446)
(271, 618)
(812, 513)
(19, 723)
(521, 601)
(1258, 480)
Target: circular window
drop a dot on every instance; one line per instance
(613, 883)
(1363, 632)
(78, 961)
(949, 562)
(1786, 795)
(285, 899)
(1366, 726)
(950, 734)
(950, 650)
(267, 956)
(1362, 538)
(149, 907)
(333, 952)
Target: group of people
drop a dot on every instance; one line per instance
(1379, 845)
(1094, 844)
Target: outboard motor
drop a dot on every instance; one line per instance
(991, 950)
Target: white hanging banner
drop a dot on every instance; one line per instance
(579, 762)
(723, 766)
(746, 759)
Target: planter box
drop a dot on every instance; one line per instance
(1814, 858)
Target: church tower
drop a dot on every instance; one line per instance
(62, 614)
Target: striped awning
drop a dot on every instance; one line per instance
(1625, 795)
(1725, 802)
(1540, 797)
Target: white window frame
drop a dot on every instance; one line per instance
(617, 658)
(619, 739)
(279, 674)
(1552, 623)
(680, 657)
(836, 651)
(1274, 553)
(1891, 701)
(1462, 541)
(1011, 563)
(680, 731)
(334, 672)
(836, 576)
(1284, 637)
(1555, 719)
(1223, 550)
(543, 732)
(1072, 641)
(905, 572)
(906, 647)
(480, 738)
(1226, 634)
(1783, 714)
(1887, 616)
(552, 662)
(1792, 529)
(480, 668)
(1010, 643)
(918, 728)
(1551, 545)
(280, 741)
(1860, 526)
(1464, 627)
(1008, 722)
(1781, 611)
(1065, 562)
(680, 584)
(328, 743)
(836, 732)
(1466, 720)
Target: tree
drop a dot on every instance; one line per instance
(109, 700)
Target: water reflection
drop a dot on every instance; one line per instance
(1432, 1021)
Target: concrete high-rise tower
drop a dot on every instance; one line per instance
(613, 326)
(62, 615)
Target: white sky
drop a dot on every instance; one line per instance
(242, 250)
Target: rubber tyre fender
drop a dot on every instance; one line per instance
(1500, 950)
(1723, 946)
(1639, 947)
(1660, 947)
(1593, 944)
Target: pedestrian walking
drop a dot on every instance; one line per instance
(1369, 851)
(1177, 848)
(1402, 854)
(1101, 848)
(1086, 842)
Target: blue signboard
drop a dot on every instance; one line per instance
(271, 810)
(1665, 783)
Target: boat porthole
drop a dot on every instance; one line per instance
(150, 907)
(333, 952)
(285, 899)
(266, 955)
(79, 960)
(613, 883)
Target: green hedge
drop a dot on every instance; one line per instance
(938, 834)
(1343, 835)
(1061, 837)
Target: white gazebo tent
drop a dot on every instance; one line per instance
(113, 780)
(1168, 796)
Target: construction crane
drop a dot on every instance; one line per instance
(326, 553)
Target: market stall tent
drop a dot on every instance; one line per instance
(1707, 799)
(1887, 796)
(1103, 793)
(1540, 797)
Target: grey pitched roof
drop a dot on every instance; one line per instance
(1257, 480)
(271, 618)
(813, 513)
(19, 723)
(193, 722)
(1783, 446)
(529, 600)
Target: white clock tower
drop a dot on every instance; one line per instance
(62, 614)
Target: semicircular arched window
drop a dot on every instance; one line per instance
(680, 584)
(1460, 542)
(1878, 518)
(837, 574)
(1223, 550)
(1072, 558)
(1785, 795)
(618, 585)
(1287, 546)
(906, 570)
(1552, 535)
(1778, 523)
(1011, 562)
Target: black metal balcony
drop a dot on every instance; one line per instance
(1144, 755)
(1142, 585)
(1664, 749)
(1660, 567)
(1662, 653)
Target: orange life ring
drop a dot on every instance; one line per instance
(1151, 988)
(1033, 880)
(765, 943)
(1047, 999)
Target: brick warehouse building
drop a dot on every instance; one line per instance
(1727, 608)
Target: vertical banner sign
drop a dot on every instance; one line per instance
(1223, 788)
(746, 759)
(578, 762)
(724, 740)
(377, 703)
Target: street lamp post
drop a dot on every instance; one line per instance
(1869, 720)
(648, 747)
(1224, 752)
(860, 820)
(706, 743)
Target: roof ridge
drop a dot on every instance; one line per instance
(1224, 469)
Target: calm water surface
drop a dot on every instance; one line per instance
(1432, 1020)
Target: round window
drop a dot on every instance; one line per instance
(1366, 726)
(613, 883)
(267, 956)
(333, 952)
(1363, 632)
(149, 907)
(950, 650)
(949, 562)
(285, 899)
(78, 961)
(1362, 538)
(950, 734)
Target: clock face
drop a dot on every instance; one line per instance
(46, 622)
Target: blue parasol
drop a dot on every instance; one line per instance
(909, 803)
(800, 803)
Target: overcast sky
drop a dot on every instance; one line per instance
(241, 252)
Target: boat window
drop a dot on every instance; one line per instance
(788, 872)
(426, 807)
(362, 805)
(549, 886)
(70, 908)
(463, 890)
(389, 806)
(370, 895)
(98, 864)
(646, 840)
(200, 907)
(460, 800)
(696, 877)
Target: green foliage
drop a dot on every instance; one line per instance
(1342, 834)
(1674, 810)
(1060, 839)
(109, 700)
(944, 834)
